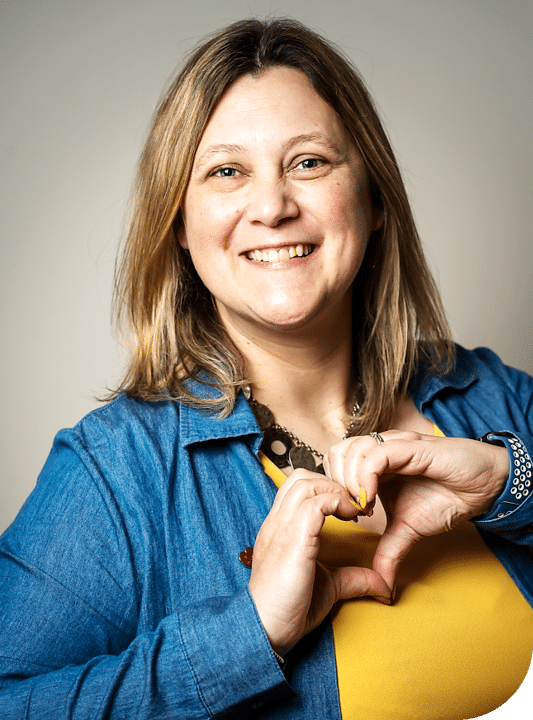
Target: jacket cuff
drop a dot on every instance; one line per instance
(511, 514)
(229, 655)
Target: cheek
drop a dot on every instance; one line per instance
(342, 208)
(326, 205)
(359, 209)
(209, 224)
(348, 210)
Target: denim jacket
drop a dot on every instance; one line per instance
(121, 590)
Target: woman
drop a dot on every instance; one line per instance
(285, 326)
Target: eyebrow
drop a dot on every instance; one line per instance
(213, 150)
(310, 137)
(217, 150)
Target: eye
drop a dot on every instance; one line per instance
(310, 163)
(224, 172)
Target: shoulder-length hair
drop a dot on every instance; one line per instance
(398, 316)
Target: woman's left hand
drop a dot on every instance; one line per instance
(426, 483)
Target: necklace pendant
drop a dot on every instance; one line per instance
(276, 446)
(280, 445)
(263, 415)
(301, 457)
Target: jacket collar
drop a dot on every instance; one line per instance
(197, 426)
(424, 385)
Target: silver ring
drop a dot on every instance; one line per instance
(377, 437)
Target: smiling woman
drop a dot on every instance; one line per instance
(298, 200)
(196, 131)
(225, 538)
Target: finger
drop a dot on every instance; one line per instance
(344, 461)
(396, 457)
(392, 548)
(334, 459)
(317, 493)
(307, 517)
(354, 582)
(293, 533)
(333, 463)
(295, 475)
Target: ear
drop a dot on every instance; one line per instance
(377, 218)
(179, 231)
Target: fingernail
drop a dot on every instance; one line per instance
(356, 505)
(383, 599)
(362, 497)
(368, 510)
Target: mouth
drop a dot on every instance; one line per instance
(281, 255)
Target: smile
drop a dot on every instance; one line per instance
(282, 255)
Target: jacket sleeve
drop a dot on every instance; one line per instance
(508, 526)
(70, 608)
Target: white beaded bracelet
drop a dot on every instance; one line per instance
(518, 485)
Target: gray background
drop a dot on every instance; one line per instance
(79, 81)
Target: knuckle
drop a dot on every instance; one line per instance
(304, 488)
(413, 436)
(300, 484)
(344, 447)
(297, 474)
(406, 436)
(303, 475)
(401, 436)
(309, 508)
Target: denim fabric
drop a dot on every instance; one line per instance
(121, 591)
(483, 394)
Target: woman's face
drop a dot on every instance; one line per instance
(277, 213)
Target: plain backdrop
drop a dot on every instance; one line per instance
(79, 82)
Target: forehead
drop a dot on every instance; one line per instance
(279, 102)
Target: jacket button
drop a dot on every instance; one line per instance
(246, 557)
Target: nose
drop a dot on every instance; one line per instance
(271, 202)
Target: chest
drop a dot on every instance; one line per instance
(215, 501)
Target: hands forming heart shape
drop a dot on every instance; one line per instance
(426, 484)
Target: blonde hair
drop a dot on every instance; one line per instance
(172, 315)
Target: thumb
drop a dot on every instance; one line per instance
(393, 546)
(354, 582)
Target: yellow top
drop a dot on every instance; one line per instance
(456, 644)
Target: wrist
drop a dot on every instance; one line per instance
(279, 642)
(516, 484)
(499, 477)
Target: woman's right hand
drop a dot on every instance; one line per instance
(293, 592)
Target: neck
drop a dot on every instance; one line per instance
(304, 377)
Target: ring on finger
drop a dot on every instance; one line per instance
(377, 437)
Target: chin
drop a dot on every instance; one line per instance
(285, 319)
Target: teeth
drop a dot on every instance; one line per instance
(283, 255)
